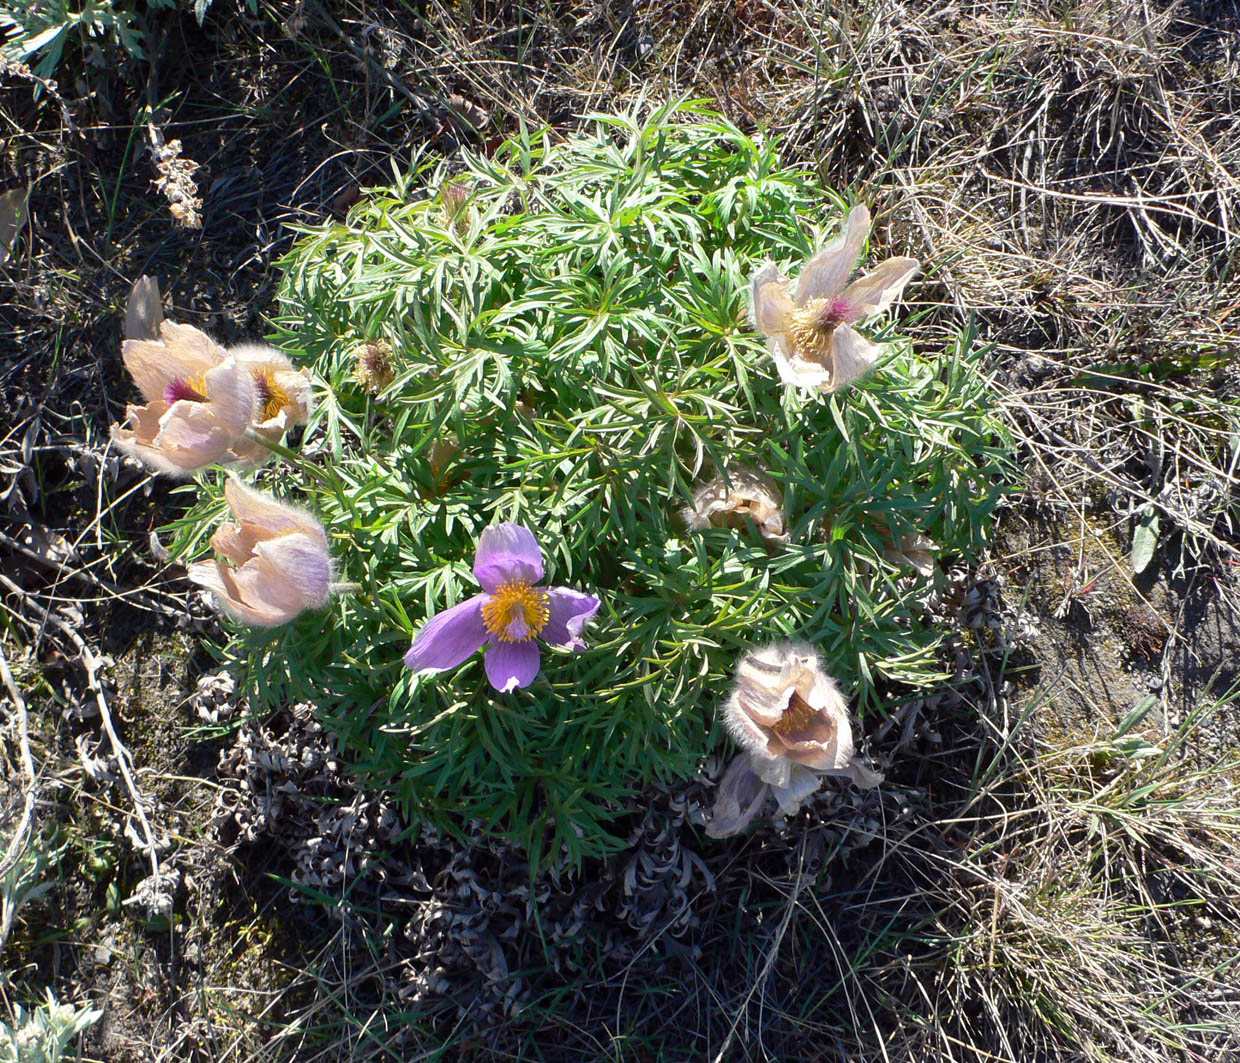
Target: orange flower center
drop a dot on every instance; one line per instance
(271, 397)
(517, 611)
(797, 718)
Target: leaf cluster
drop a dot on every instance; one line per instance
(46, 29)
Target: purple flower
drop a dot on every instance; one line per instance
(511, 613)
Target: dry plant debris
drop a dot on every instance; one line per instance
(176, 179)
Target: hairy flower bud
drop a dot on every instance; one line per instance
(279, 560)
(372, 367)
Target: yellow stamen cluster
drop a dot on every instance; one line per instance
(271, 397)
(516, 600)
(797, 718)
(806, 334)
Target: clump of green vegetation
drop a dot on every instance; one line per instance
(44, 1034)
(43, 31)
(559, 337)
(24, 859)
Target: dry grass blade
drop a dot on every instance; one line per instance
(92, 663)
(23, 829)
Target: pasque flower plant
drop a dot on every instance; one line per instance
(511, 613)
(588, 369)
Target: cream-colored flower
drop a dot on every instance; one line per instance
(285, 397)
(810, 335)
(791, 722)
(282, 563)
(742, 493)
(198, 424)
(167, 367)
(175, 368)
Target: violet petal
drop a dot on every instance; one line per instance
(507, 552)
(570, 612)
(449, 637)
(512, 664)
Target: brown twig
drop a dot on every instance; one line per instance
(24, 826)
(94, 665)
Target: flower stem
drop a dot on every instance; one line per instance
(324, 476)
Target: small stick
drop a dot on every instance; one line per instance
(145, 596)
(94, 665)
(363, 56)
(26, 823)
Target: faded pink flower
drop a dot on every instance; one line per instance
(281, 559)
(198, 424)
(791, 722)
(810, 335)
(175, 374)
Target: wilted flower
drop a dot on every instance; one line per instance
(197, 393)
(811, 336)
(372, 366)
(442, 453)
(742, 493)
(507, 617)
(791, 722)
(280, 552)
(913, 549)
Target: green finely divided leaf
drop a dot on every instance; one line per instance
(571, 350)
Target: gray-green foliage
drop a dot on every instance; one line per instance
(23, 862)
(579, 330)
(44, 30)
(43, 1034)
